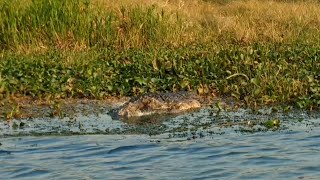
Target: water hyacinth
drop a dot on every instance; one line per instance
(97, 48)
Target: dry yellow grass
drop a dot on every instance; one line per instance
(185, 22)
(245, 21)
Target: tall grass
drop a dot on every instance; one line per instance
(77, 24)
(256, 51)
(82, 24)
(42, 23)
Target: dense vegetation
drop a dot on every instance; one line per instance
(260, 52)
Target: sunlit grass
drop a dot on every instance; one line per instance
(83, 24)
(260, 52)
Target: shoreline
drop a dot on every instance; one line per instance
(25, 107)
(258, 52)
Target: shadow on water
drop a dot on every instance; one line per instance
(204, 144)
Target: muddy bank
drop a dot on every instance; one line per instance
(26, 107)
(21, 107)
(96, 118)
(27, 116)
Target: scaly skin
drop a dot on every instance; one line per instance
(158, 103)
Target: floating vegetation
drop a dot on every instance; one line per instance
(274, 123)
(274, 77)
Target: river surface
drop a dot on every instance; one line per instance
(200, 145)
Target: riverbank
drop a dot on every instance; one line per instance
(90, 49)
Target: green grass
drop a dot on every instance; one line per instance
(76, 25)
(61, 49)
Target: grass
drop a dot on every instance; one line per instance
(259, 52)
(82, 24)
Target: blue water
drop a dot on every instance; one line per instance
(191, 146)
(291, 155)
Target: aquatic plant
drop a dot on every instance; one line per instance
(95, 49)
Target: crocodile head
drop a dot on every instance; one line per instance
(160, 103)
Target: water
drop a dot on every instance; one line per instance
(290, 152)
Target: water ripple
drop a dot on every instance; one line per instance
(290, 153)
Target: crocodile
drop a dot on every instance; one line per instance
(160, 103)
